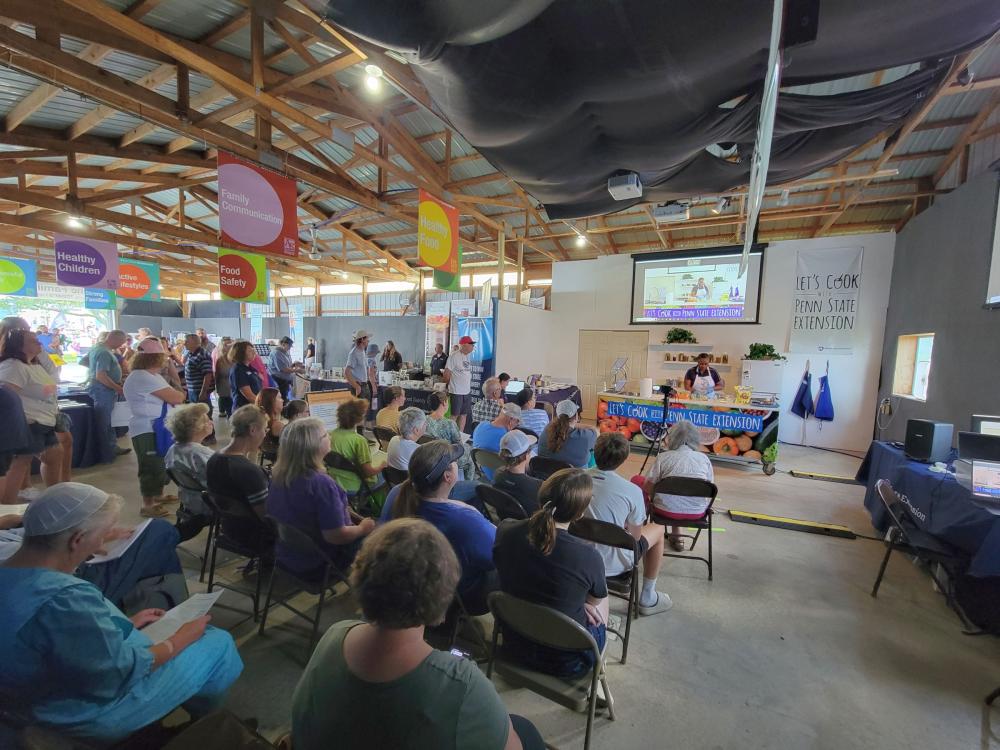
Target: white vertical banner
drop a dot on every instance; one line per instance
(825, 301)
(295, 330)
(438, 319)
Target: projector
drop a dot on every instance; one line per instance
(671, 212)
(625, 186)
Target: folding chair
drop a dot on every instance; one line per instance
(688, 487)
(241, 531)
(185, 481)
(302, 543)
(482, 458)
(624, 586)
(425, 439)
(499, 505)
(394, 476)
(361, 499)
(548, 627)
(906, 536)
(383, 435)
(445, 636)
(543, 468)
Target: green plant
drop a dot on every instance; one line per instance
(680, 336)
(762, 351)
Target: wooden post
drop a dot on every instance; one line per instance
(319, 298)
(501, 258)
(277, 301)
(364, 295)
(520, 270)
(71, 175)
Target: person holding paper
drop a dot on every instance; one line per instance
(72, 660)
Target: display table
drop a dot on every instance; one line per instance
(83, 429)
(317, 384)
(554, 395)
(414, 397)
(937, 503)
(746, 434)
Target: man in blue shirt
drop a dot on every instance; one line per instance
(281, 367)
(487, 435)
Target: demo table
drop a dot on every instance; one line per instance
(553, 395)
(731, 432)
(937, 503)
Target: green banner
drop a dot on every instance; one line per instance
(450, 282)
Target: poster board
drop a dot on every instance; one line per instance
(324, 404)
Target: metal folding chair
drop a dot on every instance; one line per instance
(482, 458)
(187, 482)
(688, 487)
(543, 468)
(361, 499)
(394, 476)
(383, 435)
(624, 586)
(499, 505)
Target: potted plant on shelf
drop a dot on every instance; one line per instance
(762, 351)
(680, 336)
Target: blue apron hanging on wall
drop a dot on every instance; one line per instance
(824, 400)
(802, 404)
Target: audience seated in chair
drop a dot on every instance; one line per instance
(190, 424)
(72, 660)
(346, 442)
(388, 415)
(295, 409)
(270, 402)
(565, 440)
(515, 450)
(433, 473)
(442, 428)
(304, 496)
(378, 684)
(618, 501)
(488, 407)
(412, 424)
(541, 562)
(532, 417)
(487, 435)
(681, 459)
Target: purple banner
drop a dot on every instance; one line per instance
(85, 262)
(718, 312)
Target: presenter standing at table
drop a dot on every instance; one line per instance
(458, 376)
(701, 378)
(356, 369)
(439, 361)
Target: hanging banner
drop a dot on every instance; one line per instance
(242, 276)
(438, 318)
(99, 299)
(437, 234)
(85, 262)
(257, 207)
(256, 323)
(446, 281)
(482, 332)
(296, 320)
(460, 308)
(138, 279)
(825, 301)
(57, 293)
(18, 277)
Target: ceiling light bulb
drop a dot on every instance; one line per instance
(720, 205)
(160, 287)
(372, 83)
(343, 274)
(74, 222)
(581, 241)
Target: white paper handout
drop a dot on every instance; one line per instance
(119, 547)
(196, 606)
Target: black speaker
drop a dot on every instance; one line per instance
(927, 440)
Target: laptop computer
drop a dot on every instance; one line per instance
(978, 445)
(986, 480)
(514, 387)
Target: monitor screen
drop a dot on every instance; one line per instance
(985, 424)
(986, 479)
(514, 386)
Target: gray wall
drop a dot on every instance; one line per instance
(939, 286)
(334, 335)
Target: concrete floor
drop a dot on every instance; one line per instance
(784, 649)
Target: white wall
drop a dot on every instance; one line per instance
(596, 294)
(523, 339)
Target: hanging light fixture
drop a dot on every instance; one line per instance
(373, 78)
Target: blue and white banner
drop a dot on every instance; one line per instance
(720, 420)
(482, 331)
(99, 299)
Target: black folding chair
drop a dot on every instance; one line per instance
(482, 458)
(241, 531)
(543, 468)
(904, 535)
(185, 481)
(383, 435)
(688, 487)
(394, 476)
(624, 586)
(361, 499)
(304, 545)
(499, 505)
(548, 627)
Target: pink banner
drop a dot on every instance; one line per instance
(84, 262)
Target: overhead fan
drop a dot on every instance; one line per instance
(409, 299)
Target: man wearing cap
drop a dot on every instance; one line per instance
(488, 435)
(281, 368)
(458, 376)
(356, 369)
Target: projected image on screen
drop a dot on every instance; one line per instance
(703, 287)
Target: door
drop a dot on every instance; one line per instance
(598, 350)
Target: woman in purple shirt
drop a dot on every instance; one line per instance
(303, 495)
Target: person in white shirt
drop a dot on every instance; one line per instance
(619, 502)
(681, 459)
(458, 376)
(412, 425)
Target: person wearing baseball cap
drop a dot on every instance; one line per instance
(516, 449)
(356, 369)
(458, 375)
(74, 662)
(487, 435)
(565, 440)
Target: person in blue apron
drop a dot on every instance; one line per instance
(702, 379)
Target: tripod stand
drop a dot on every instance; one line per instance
(661, 429)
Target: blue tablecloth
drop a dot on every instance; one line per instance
(83, 431)
(938, 504)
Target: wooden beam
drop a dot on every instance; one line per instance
(966, 137)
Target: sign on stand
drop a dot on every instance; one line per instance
(324, 404)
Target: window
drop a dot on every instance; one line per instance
(913, 365)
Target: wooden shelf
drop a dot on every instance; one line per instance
(716, 365)
(681, 347)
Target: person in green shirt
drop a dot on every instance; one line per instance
(346, 441)
(378, 684)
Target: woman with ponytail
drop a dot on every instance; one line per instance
(433, 472)
(565, 440)
(541, 562)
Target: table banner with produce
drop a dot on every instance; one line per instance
(727, 430)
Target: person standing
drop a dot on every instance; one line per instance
(392, 360)
(105, 388)
(244, 380)
(281, 367)
(458, 376)
(223, 387)
(439, 360)
(356, 369)
(702, 378)
(199, 377)
(206, 343)
(310, 356)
